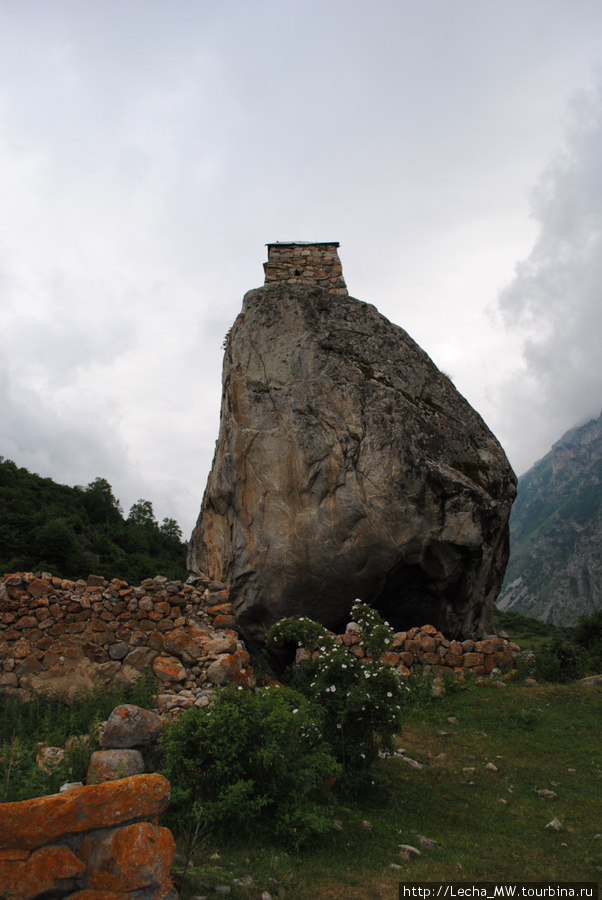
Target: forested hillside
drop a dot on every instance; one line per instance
(76, 531)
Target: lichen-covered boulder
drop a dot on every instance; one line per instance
(129, 858)
(348, 465)
(130, 726)
(28, 824)
(25, 875)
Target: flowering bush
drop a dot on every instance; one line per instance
(359, 699)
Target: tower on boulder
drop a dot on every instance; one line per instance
(347, 465)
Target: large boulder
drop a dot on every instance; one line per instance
(347, 466)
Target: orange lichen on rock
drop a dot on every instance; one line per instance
(128, 858)
(111, 765)
(24, 875)
(29, 824)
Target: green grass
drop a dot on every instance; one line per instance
(540, 737)
(533, 735)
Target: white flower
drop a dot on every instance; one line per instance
(295, 711)
(389, 694)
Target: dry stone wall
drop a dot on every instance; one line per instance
(411, 651)
(64, 635)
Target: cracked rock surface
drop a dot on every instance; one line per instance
(347, 466)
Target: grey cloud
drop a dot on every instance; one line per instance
(555, 300)
(150, 149)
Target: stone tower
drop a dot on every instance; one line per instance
(304, 262)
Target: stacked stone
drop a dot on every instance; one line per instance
(62, 634)
(89, 842)
(305, 263)
(413, 650)
(127, 729)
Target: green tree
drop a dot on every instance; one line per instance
(100, 503)
(55, 543)
(171, 530)
(141, 514)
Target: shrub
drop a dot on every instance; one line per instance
(360, 699)
(250, 759)
(559, 662)
(588, 634)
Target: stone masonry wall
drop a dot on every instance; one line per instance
(63, 635)
(411, 651)
(303, 263)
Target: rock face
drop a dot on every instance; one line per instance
(555, 570)
(348, 466)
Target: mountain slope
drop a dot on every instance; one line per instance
(555, 568)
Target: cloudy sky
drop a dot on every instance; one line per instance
(150, 148)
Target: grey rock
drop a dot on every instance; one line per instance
(406, 851)
(412, 762)
(347, 466)
(140, 658)
(129, 726)
(70, 786)
(429, 843)
(119, 650)
(246, 881)
(591, 679)
(146, 604)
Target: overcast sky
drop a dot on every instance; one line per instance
(150, 148)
